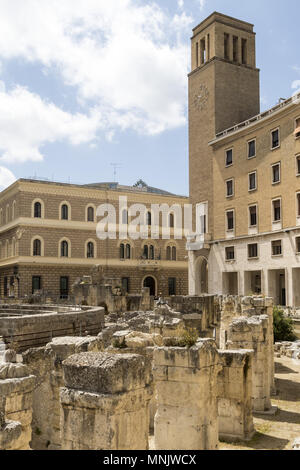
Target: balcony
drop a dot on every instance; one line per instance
(199, 242)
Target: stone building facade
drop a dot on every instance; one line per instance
(48, 240)
(244, 171)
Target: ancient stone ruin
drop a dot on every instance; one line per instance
(97, 290)
(189, 372)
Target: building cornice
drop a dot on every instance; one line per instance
(257, 122)
(257, 235)
(112, 262)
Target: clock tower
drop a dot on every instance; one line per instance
(223, 91)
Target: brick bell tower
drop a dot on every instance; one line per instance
(223, 91)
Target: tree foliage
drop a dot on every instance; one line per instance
(283, 326)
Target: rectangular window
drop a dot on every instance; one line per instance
(229, 253)
(253, 250)
(64, 287)
(229, 188)
(275, 139)
(244, 51)
(5, 286)
(252, 181)
(172, 285)
(298, 165)
(229, 157)
(235, 40)
(202, 51)
(298, 245)
(208, 48)
(226, 46)
(276, 173)
(252, 148)
(298, 205)
(36, 283)
(197, 54)
(230, 220)
(297, 128)
(253, 216)
(277, 248)
(277, 210)
(203, 224)
(125, 284)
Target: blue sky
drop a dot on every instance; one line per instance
(85, 84)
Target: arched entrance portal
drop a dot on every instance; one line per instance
(201, 276)
(151, 283)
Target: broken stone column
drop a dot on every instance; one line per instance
(135, 342)
(16, 390)
(252, 333)
(46, 364)
(256, 306)
(105, 402)
(230, 310)
(235, 396)
(186, 394)
(10, 431)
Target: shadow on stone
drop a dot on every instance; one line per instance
(281, 369)
(289, 390)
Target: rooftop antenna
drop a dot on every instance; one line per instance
(116, 166)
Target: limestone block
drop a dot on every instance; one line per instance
(106, 373)
(235, 395)
(186, 395)
(105, 404)
(11, 436)
(66, 346)
(93, 421)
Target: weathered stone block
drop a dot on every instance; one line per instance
(106, 373)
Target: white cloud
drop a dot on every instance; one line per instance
(127, 59)
(202, 3)
(6, 178)
(180, 4)
(295, 84)
(27, 123)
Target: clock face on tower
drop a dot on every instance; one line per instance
(201, 97)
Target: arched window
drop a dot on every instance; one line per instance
(64, 249)
(7, 213)
(168, 253)
(14, 210)
(14, 247)
(37, 211)
(90, 214)
(146, 252)
(90, 250)
(64, 212)
(122, 251)
(171, 220)
(174, 253)
(125, 251)
(149, 219)
(125, 217)
(37, 247)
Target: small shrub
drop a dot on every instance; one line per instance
(283, 326)
(188, 337)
